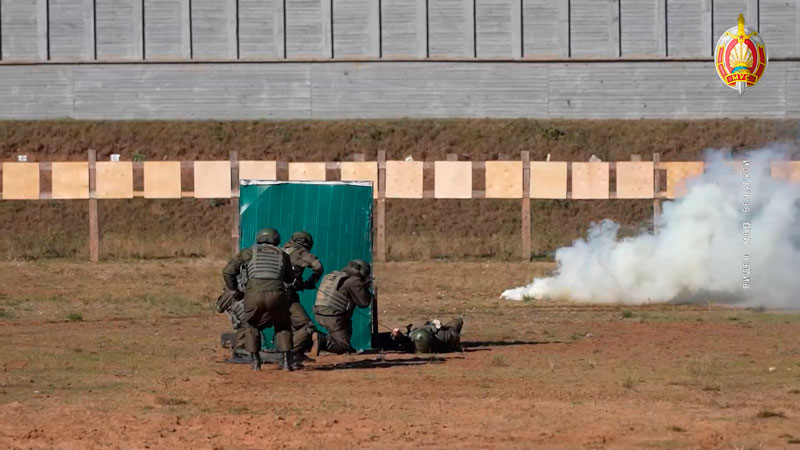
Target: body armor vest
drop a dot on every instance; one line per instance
(266, 263)
(297, 263)
(329, 296)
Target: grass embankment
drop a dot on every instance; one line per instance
(421, 229)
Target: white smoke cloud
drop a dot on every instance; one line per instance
(702, 250)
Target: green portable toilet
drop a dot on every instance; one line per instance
(339, 217)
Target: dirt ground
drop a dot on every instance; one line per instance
(127, 355)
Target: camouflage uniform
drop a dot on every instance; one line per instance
(445, 339)
(301, 258)
(448, 337)
(232, 304)
(265, 300)
(338, 295)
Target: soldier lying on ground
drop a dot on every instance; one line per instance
(299, 250)
(269, 272)
(338, 295)
(433, 337)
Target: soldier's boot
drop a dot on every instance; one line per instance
(296, 363)
(256, 358)
(237, 353)
(302, 358)
(291, 361)
(286, 362)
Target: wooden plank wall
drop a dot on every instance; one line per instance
(230, 30)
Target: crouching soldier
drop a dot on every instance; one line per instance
(269, 271)
(299, 250)
(338, 295)
(232, 304)
(433, 337)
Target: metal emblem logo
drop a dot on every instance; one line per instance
(741, 57)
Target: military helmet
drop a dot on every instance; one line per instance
(303, 238)
(359, 267)
(268, 236)
(422, 339)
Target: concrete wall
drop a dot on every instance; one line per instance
(386, 58)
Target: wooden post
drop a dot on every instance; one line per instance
(526, 206)
(94, 225)
(657, 189)
(234, 202)
(380, 245)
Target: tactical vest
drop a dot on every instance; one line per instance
(297, 263)
(266, 263)
(329, 296)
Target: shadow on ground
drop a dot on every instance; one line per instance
(378, 363)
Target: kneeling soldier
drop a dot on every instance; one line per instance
(232, 304)
(338, 295)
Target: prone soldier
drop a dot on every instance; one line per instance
(338, 295)
(266, 304)
(433, 337)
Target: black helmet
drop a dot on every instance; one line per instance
(422, 339)
(303, 238)
(358, 267)
(268, 236)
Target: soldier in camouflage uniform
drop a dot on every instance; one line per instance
(338, 295)
(299, 250)
(232, 304)
(269, 272)
(433, 337)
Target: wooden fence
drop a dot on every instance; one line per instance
(451, 179)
